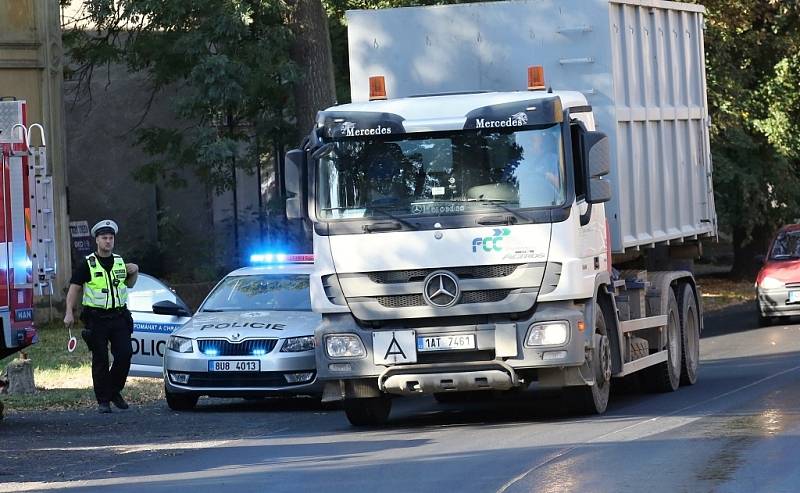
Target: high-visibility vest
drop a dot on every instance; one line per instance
(105, 290)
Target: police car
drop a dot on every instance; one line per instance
(252, 336)
(157, 312)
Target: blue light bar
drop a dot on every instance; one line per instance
(281, 258)
(211, 352)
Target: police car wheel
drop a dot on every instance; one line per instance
(181, 402)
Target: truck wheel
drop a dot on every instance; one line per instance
(366, 412)
(690, 336)
(594, 399)
(180, 401)
(666, 376)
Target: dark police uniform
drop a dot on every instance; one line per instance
(107, 320)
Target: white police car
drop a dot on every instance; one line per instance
(252, 336)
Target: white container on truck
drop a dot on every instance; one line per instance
(474, 236)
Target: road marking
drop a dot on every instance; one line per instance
(76, 482)
(672, 424)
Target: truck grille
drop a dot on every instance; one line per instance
(248, 347)
(417, 275)
(467, 297)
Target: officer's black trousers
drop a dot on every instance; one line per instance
(103, 330)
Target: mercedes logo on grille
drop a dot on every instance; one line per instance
(441, 289)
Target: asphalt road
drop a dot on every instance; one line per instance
(736, 430)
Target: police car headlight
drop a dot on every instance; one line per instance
(344, 346)
(179, 344)
(297, 344)
(547, 334)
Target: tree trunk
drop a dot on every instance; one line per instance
(744, 251)
(20, 377)
(312, 53)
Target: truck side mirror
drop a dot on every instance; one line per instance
(598, 164)
(295, 187)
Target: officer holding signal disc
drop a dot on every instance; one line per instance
(104, 280)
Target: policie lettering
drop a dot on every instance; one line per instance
(491, 243)
(237, 325)
(149, 347)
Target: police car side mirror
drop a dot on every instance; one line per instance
(295, 187)
(169, 308)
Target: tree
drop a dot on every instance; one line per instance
(249, 75)
(752, 48)
(228, 60)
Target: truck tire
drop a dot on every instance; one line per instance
(368, 412)
(593, 399)
(639, 348)
(690, 336)
(181, 401)
(666, 376)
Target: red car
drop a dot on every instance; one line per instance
(778, 281)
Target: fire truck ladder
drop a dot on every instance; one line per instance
(42, 219)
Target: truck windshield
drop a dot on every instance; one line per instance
(469, 171)
(284, 292)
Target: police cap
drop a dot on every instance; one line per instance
(105, 226)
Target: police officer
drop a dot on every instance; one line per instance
(104, 279)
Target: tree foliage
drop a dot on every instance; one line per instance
(225, 65)
(752, 56)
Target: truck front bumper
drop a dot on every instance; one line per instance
(501, 359)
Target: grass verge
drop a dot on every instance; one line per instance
(720, 292)
(64, 380)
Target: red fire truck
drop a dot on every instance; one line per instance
(18, 278)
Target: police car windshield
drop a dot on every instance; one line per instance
(277, 292)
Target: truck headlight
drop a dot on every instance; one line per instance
(344, 346)
(297, 344)
(771, 283)
(179, 344)
(547, 334)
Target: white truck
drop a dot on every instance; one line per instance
(474, 236)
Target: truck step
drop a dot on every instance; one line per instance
(626, 326)
(642, 363)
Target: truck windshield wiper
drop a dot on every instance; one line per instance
(499, 203)
(383, 226)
